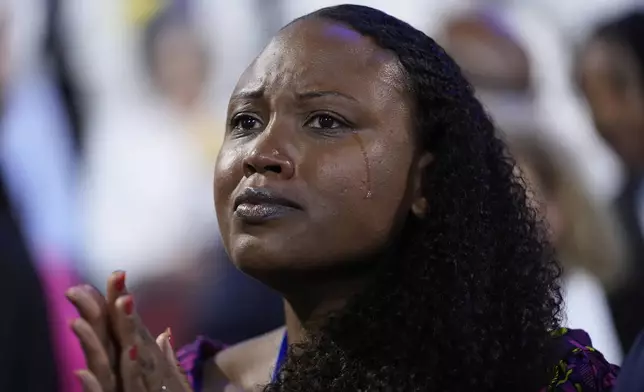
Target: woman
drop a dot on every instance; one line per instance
(586, 238)
(361, 179)
(610, 73)
(35, 123)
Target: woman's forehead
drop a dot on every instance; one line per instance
(318, 54)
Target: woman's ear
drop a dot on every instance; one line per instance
(419, 202)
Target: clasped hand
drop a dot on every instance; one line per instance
(121, 354)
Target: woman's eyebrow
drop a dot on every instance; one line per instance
(321, 94)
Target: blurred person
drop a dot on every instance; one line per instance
(149, 210)
(610, 74)
(518, 64)
(586, 238)
(178, 64)
(38, 163)
(362, 179)
(27, 357)
(631, 377)
(493, 61)
(148, 172)
(178, 67)
(36, 151)
(489, 51)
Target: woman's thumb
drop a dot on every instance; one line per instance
(165, 344)
(164, 341)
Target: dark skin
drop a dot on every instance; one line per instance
(322, 120)
(612, 84)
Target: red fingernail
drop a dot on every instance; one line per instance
(119, 282)
(128, 306)
(134, 352)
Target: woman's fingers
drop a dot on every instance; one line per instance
(143, 364)
(141, 347)
(101, 324)
(137, 378)
(92, 307)
(84, 303)
(115, 288)
(165, 344)
(97, 358)
(131, 372)
(88, 381)
(89, 306)
(125, 332)
(163, 341)
(117, 293)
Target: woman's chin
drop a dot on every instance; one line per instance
(258, 256)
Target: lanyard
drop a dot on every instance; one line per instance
(281, 357)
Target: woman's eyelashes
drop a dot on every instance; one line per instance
(327, 124)
(245, 124)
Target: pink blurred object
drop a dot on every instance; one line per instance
(57, 277)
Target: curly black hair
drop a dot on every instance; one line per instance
(471, 294)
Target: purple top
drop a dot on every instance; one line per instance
(581, 369)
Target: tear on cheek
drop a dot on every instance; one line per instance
(367, 166)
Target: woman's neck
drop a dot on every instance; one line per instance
(307, 311)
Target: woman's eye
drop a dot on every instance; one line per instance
(324, 121)
(246, 122)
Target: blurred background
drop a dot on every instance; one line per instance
(113, 112)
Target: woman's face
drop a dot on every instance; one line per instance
(315, 167)
(179, 63)
(612, 83)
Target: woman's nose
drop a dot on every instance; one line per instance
(268, 163)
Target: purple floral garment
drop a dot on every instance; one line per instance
(582, 369)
